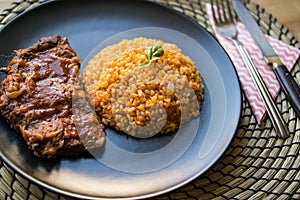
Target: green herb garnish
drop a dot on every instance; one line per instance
(153, 53)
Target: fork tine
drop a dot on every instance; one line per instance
(219, 12)
(223, 11)
(213, 11)
(226, 11)
(229, 11)
(222, 7)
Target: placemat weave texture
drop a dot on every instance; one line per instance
(257, 165)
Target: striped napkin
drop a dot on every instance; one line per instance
(288, 54)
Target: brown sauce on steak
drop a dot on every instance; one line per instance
(37, 95)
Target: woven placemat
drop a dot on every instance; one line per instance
(257, 165)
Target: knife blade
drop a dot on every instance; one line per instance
(284, 77)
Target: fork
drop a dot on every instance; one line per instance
(225, 25)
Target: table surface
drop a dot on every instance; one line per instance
(287, 12)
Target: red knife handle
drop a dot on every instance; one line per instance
(289, 86)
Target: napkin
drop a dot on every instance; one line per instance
(288, 55)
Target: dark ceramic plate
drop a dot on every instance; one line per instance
(128, 167)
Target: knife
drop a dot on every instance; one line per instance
(285, 79)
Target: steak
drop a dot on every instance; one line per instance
(42, 99)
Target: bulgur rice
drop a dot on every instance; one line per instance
(142, 101)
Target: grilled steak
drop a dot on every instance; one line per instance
(39, 98)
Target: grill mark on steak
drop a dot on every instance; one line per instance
(37, 95)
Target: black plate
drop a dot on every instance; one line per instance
(88, 23)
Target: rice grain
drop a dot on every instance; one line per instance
(144, 101)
